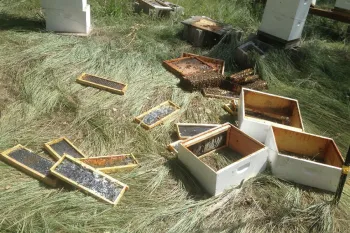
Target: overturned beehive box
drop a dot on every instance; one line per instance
(30, 163)
(187, 130)
(186, 66)
(157, 115)
(112, 163)
(202, 31)
(58, 147)
(223, 157)
(258, 111)
(152, 7)
(304, 158)
(102, 83)
(217, 64)
(88, 179)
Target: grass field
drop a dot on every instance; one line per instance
(40, 101)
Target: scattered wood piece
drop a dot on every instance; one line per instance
(58, 147)
(88, 179)
(30, 163)
(238, 76)
(157, 115)
(112, 163)
(219, 93)
(102, 83)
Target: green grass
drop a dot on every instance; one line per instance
(41, 101)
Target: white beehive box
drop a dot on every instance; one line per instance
(285, 19)
(257, 111)
(252, 159)
(69, 21)
(343, 4)
(69, 5)
(304, 158)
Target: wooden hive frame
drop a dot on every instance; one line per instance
(304, 158)
(139, 119)
(218, 96)
(81, 80)
(22, 167)
(217, 63)
(168, 64)
(75, 184)
(172, 146)
(112, 169)
(48, 147)
(253, 161)
(182, 137)
(232, 107)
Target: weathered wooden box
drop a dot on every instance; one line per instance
(152, 7)
(88, 179)
(223, 157)
(257, 111)
(30, 163)
(304, 158)
(112, 163)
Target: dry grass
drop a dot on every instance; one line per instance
(40, 69)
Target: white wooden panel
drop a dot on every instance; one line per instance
(296, 9)
(281, 26)
(241, 170)
(343, 4)
(68, 21)
(255, 129)
(307, 172)
(205, 175)
(69, 5)
(270, 142)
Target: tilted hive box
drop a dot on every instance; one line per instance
(304, 158)
(285, 19)
(257, 111)
(252, 159)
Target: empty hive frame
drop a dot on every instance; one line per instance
(30, 163)
(102, 83)
(187, 130)
(157, 115)
(304, 158)
(153, 7)
(189, 65)
(218, 64)
(88, 179)
(112, 163)
(258, 111)
(250, 157)
(58, 147)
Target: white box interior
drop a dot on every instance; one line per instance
(252, 161)
(304, 158)
(258, 110)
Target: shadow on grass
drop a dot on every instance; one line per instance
(179, 172)
(17, 23)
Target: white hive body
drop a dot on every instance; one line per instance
(343, 4)
(67, 16)
(285, 19)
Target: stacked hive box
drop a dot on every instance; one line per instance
(285, 19)
(69, 16)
